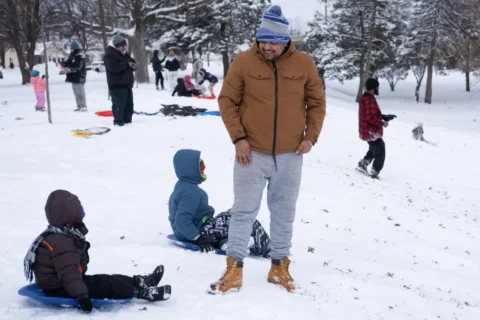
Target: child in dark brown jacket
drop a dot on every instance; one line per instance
(59, 257)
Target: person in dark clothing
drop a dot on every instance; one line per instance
(172, 65)
(58, 259)
(120, 67)
(76, 73)
(321, 74)
(157, 68)
(371, 124)
(183, 91)
(191, 217)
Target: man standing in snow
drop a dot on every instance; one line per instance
(120, 67)
(76, 73)
(273, 106)
(371, 123)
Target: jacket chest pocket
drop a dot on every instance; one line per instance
(293, 82)
(260, 83)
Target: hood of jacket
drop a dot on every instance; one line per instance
(65, 209)
(187, 166)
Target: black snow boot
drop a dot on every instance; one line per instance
(151, 280)
(155, 293)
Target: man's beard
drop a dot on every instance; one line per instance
(376, 92)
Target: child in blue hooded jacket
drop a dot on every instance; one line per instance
(191, 217)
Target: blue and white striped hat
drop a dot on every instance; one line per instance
(274, 26)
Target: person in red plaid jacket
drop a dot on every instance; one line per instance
(371, 123)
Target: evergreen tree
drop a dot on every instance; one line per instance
(357, 38)
(234, 23)
(432, 24)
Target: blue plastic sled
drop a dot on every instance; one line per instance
(210, 113)
(191, 246)
(32, 291)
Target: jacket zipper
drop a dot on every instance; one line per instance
(275, 115)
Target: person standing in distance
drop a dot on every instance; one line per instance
(172, 65)
(370, 125)
(157, 68)
(273, 106)
(120, 67)
(76, 73)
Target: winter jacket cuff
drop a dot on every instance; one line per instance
(239, 139)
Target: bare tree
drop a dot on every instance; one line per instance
(3, 49)
(366, 61)
(131, 18)
(19, 28)
(467, 53)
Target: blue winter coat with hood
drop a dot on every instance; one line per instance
(188, 205)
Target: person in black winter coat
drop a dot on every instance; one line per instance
(120, 67)
(321, 74)
(157, 68)
(172, 65)
(76, 73)
(182, 90)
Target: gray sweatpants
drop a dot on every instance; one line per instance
(79, 92)
(283, 188)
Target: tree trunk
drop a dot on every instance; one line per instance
(102, 24)
(2, 57)
(392, 85)
(467, 78)
(22, 63)
(361, 86)
(429, 89)
(417, 91)
(49, 108)
(137, 45)
(225, 63)
(183, 60)
(370, 40)
(31, 54)
(33, 30)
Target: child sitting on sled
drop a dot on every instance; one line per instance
(191, 217)
(58, 259)
(185, 90)
(203, 76)
(39, 85)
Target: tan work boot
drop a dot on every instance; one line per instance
(280, 275)
(231, 279)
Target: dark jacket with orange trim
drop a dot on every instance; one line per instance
(61, 261)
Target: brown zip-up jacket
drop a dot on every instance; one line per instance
(61, 261)
(274, 105)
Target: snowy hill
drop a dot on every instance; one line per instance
(404, 247)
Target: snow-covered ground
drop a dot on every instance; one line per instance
(404, 247)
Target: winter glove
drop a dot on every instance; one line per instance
(85, 305)
(43, 77)
(388, 117)
(204, 243)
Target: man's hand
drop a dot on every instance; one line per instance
(385, 124)
(304, 147)
(132, 65)
(243, 153)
